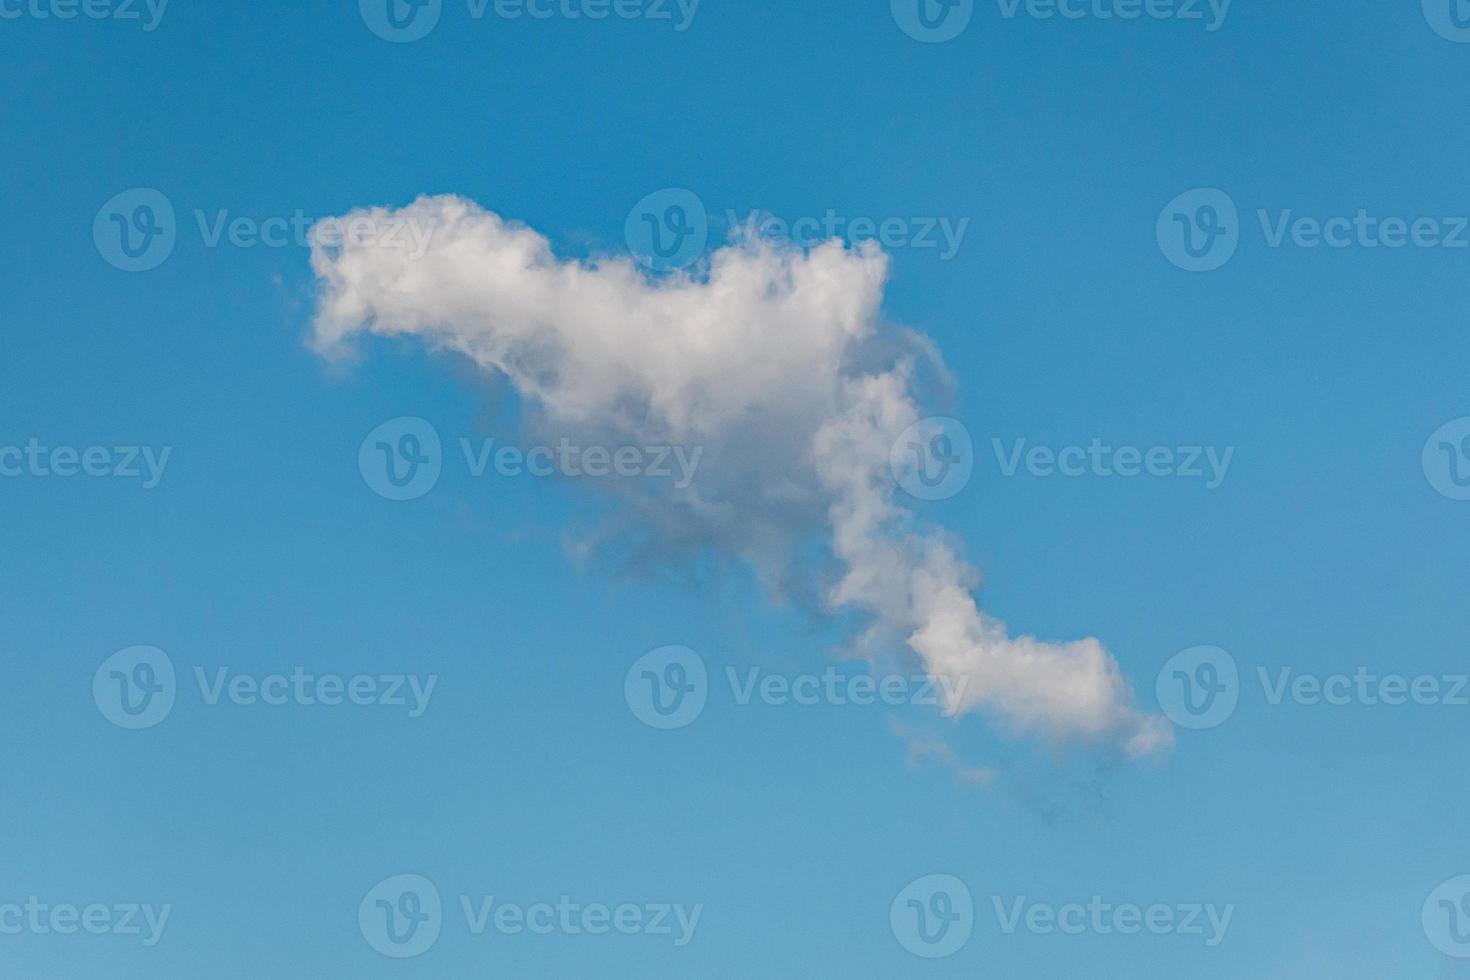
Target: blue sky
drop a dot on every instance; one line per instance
(1066, 149)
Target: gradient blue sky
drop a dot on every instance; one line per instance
(1325, 549)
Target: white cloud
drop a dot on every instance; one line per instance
(775, 361)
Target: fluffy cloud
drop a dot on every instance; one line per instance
(775, 361)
